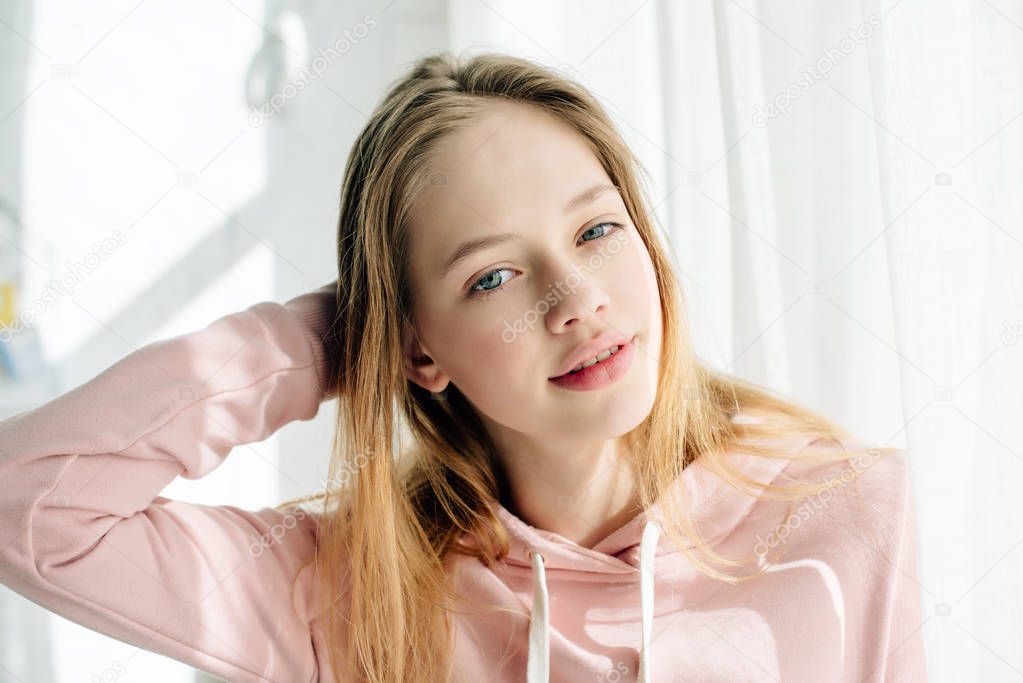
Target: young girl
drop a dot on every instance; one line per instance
(533, 476)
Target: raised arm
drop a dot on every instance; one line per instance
(84, 532)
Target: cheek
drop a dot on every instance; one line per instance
(640, 298)
(483, 346)
(499, 371)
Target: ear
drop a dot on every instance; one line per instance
(420, 367)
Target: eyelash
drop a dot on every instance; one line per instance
(483, 294)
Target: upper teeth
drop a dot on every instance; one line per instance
(596, 359)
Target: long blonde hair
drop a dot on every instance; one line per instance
(397, 511)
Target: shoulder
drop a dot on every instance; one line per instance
(852, 463)
(865, 496)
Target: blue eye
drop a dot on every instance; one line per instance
(477, 292)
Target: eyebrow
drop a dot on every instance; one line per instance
(467, 248)
(588, 195)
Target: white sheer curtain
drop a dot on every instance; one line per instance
(843, 207)
(858, 247)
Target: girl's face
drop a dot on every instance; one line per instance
(505, 318)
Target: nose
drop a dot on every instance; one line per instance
(586, 299)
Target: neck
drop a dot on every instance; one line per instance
(580, 492)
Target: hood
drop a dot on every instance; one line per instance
(715, 507)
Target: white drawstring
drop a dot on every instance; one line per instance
(647, 548)
(538, 662)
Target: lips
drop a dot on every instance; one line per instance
(586, 351)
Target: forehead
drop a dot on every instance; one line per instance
(512, 165)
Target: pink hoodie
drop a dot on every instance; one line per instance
(85, 533)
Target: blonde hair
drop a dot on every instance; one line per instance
(397, 513)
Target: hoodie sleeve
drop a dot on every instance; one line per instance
(905, 648)
(85, 534)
